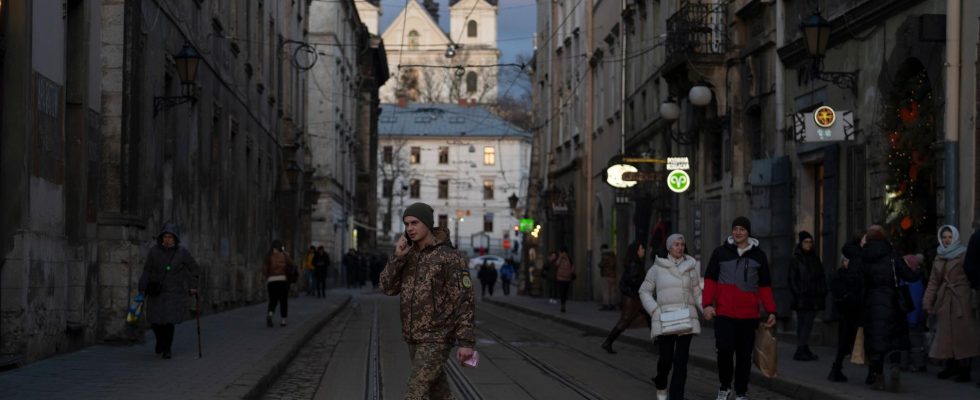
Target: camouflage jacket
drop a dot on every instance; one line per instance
(436, 293)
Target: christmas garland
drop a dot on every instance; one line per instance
(909, 124)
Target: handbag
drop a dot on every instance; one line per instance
(766, 351)
(676, 321)
(905, 303)
(857, 352)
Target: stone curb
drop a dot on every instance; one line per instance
(253, 383)
(785, 386)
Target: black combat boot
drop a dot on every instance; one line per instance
(607, 345)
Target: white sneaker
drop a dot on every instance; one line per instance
(661, 395)
(723, 394)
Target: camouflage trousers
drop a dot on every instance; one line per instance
(429, 379)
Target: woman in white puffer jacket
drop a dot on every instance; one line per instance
(671, 293)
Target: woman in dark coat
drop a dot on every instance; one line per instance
(321, 264)
(170, 275)
(847, 288)
(634, 272)
(808, 285)
(886, 330)
(488, 278)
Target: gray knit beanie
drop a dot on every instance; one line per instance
(421, 211)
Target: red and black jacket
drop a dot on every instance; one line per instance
(735, 285)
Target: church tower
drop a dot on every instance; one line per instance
(473, 23)
(370, 13)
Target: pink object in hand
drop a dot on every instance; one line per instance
(473, 360)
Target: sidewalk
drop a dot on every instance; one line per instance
(797, 380)
(241, 358)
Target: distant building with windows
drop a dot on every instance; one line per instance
(462, 160)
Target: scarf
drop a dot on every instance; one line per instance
(954, 249)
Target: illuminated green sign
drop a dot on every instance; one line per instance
(527, 224)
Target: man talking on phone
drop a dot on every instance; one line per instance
(437, 309)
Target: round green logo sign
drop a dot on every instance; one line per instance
(678, 181)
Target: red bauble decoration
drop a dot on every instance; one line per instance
(907, 223)
(911, 113)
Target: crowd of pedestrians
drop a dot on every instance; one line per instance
(893, 311)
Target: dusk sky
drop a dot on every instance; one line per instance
(515, 24)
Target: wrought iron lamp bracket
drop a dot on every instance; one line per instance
(843, 80)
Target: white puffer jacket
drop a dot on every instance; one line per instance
(670, 285)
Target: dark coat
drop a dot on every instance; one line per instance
(807, 282)
(487, 275)
(321, 262)
(634, 273)
(885, 326)
(173, 304)
(971, 262)
(847, 285)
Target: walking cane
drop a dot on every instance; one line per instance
(197, 299)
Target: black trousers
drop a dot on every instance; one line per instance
(735, 337)
(321, 284)
(804, 325)
(505, 286)
(165, 336)
(674, 351)
(563, 288)
(279, 294)
(487, 286)
(847, 328)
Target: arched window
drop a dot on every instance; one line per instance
(471, 82)
(413, 40)
(471, 29)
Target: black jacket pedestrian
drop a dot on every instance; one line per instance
(807, 282)
(321, 262)
(847, 286)
(885, 325)
(971, 262)
(634, 273)
(487, 275)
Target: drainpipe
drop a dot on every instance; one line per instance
(780, 94)
(952, 111)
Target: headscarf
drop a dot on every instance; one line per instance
(954, 249)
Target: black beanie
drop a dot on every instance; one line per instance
(421, 211)
(743, 222)
(804, 235)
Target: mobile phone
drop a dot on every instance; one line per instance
(407, 239)
(473, 361)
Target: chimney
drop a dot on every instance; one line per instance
(402, 101)
(433, 9)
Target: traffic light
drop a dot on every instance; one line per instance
(517, 228)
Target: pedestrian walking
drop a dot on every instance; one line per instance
(548, 273)
(671, 295)
(634, 270)
(564, 275)
(948, 297)
(275, 269)
(436, 304)
(736, 282)
(507, 276)
(886, 330)
(309, 277)
(488, 279)
(847, 289)
(321, 267)
(971, 261)
(350, 268)
(607, 270)
(170, 275)
(808, 285)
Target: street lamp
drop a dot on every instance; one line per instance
(187, 61)
(450, 50)
(513, 201)
(816, 36)
(669, 110)
(699, 95)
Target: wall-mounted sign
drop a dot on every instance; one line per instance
(824, 125)
(678, 163)
(614, 175)
(678, 181)
(526, 224)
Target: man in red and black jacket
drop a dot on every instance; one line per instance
(736, 282)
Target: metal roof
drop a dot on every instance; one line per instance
(441, 120)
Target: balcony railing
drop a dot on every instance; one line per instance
(697, 29)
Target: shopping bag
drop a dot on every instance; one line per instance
(765, 351)
(857, 353)
(135, 312)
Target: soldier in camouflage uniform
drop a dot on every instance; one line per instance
(437, 308)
